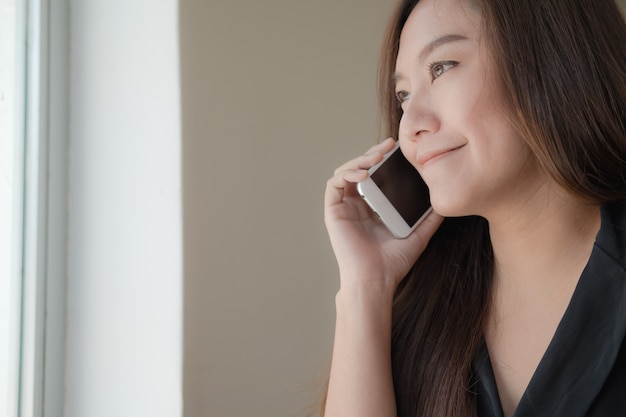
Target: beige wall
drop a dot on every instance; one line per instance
(275, 95)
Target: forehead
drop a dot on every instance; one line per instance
(434, 19)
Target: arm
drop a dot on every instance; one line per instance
(371, 265)
(360, 381)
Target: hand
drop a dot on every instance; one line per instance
(367, 253)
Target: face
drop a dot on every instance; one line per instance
(455, 127)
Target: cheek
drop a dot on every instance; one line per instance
(465, 103)
(487, 125)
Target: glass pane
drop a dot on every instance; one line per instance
(8, 197)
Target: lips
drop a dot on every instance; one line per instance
(427, 156)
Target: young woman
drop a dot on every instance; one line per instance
(510, 298)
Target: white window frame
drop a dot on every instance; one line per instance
(44, 245)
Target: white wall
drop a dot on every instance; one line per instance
(124, 324)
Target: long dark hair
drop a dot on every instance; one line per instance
(563, 69)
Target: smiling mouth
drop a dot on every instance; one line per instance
(434, 154)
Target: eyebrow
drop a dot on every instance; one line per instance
(428, 49)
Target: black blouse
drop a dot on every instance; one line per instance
(583, 371)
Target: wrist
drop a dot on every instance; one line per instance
(363, 297)
(375, 286)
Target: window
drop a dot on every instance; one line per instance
(10, 212)
(33, 131)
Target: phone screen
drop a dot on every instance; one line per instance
(403, 186)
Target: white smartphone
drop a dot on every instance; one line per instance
(397, 193)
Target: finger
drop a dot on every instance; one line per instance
(370, 158)
(384, 146)
(365, 161)
(336, 186)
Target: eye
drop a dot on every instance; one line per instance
(402, 96)
(437, 69)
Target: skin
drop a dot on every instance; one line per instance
(456, 131)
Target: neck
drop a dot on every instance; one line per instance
(542, 246)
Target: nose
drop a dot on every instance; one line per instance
(418, 119)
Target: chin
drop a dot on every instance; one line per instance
(448, 206)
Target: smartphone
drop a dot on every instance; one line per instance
(397, 193)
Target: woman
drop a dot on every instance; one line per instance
(516, 302)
